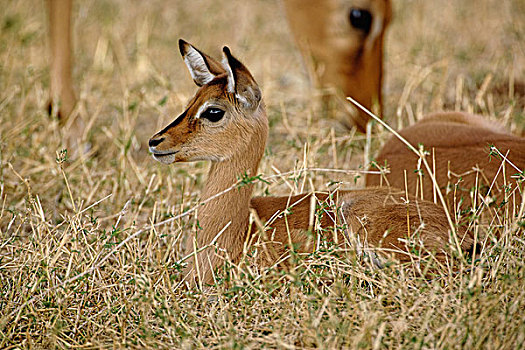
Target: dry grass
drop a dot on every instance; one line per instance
(81, 264)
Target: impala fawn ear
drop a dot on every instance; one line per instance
(202, 67)
(241, 81)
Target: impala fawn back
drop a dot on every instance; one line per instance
(460, 145)
(343, 42)
(226, 123)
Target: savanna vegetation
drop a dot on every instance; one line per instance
(90, 239)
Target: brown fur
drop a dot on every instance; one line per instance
(373, 214)
(377, 216)
(343, 57)
(461, 143)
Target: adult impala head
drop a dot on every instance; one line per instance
(344, 39)
(226, 106)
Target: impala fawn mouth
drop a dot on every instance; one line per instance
(166, 157)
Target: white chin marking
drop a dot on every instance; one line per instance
(167, 159)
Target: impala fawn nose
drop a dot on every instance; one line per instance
(155, 142)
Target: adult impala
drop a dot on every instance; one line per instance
(225, 123)
(343, 38)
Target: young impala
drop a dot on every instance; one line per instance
(225, 123)
(343, 38)
(467, 152)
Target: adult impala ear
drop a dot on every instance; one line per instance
(202, 67)
(241, 81)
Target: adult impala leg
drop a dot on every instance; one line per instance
(62, 95)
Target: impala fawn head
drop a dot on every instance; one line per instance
(344, 40)
(223, 117)
(225, 122)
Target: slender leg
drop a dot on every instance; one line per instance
(61, 94)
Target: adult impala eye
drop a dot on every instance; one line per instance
(361, 19)
(213, 114)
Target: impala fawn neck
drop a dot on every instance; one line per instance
(229, 211)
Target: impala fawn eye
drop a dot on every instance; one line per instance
(361, 19)
(213, 114)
